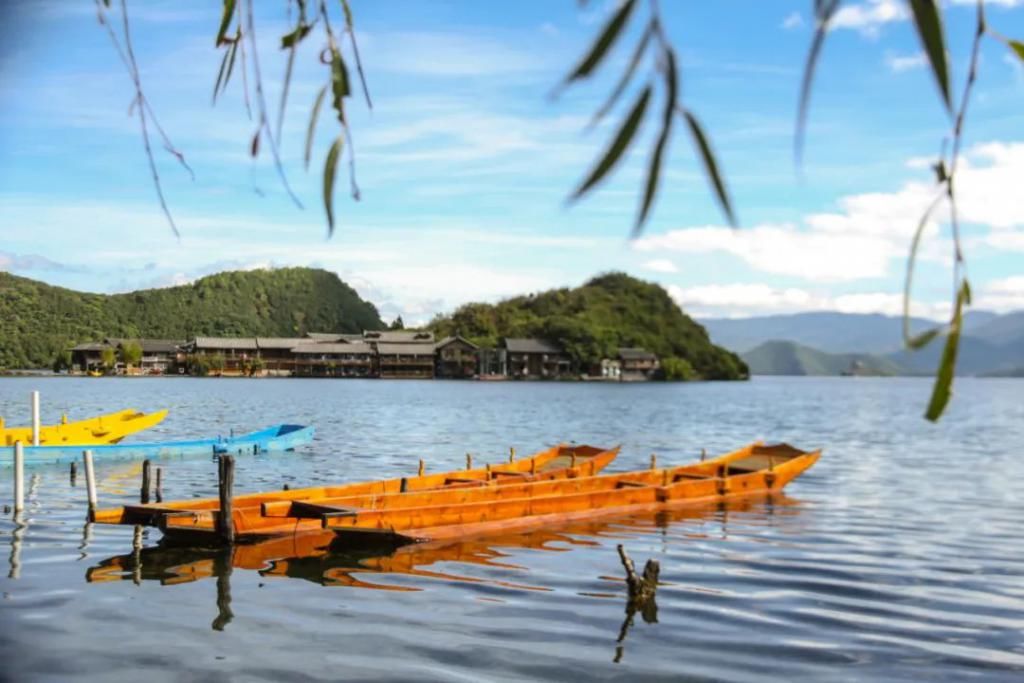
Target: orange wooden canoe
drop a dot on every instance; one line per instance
(316, 557)
(433, 515)
(196, 519)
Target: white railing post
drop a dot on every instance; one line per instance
(35, 418)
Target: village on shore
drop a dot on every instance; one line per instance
(384, 354)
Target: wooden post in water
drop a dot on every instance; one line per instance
(703, 454)
(159, 485)
(511, 454)
(74, 472)
(19, 478)
(654, 461)
(225, 487)
(35, 418)
(422, 469)
(469, 461)
(144, 491)
(90, 481)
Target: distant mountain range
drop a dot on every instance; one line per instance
(828, 343)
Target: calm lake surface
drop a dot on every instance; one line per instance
(899, 556)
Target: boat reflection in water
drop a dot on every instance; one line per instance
(318, 557)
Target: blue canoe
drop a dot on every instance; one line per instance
(282, 437)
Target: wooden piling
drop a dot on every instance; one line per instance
(654, 461)
(19, 478)
(35, 418)
(423, 468)
(225, 487)
(703, 454)
(74, 472)
(159, 485)
(511, 454)
(90, 481)
(469, 461)
(144, 491)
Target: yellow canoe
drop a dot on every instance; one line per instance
(102, 429)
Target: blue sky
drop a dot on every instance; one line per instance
(465, 162)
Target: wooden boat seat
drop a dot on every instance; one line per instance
(462, 480)
(307, 510)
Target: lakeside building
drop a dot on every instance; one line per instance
(387, 354)
(159, 356)
(527, 358)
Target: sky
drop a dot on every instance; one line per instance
(465, 161)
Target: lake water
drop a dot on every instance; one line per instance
(899, 556)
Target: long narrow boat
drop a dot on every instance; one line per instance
(283, 437)
(196, 519)
(318, 558)
(102, 429)
(441, 515)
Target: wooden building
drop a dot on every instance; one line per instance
(456, 358)
(276, 353)
(535, 358)
(88, 356)
(236, 352)
(637, 364)
(159, 356)
(324, 359)
(405, 361)
(399, 336)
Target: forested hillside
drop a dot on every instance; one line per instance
(40, 320)
(591, 322)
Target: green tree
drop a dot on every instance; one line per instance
(108, 358)
(217, 363)
(62, 361)
(677, 370)
(131, 353)
(397, 324)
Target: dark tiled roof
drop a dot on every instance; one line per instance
(280, 342)
(636, 354)
(448, 340)
(321, 348)
(242, 343)
(91, 346)
(405, 349)
(400, 336)
(530, 346)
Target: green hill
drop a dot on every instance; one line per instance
(591, 322)
(40, 320)
(788, 358)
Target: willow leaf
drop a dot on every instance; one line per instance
(355, 51)
(634, 62)
(604, 41)
(220, 73)
(824, 9)
(942, 391)
(619, 144)
(330, 170)
(923, 339)
(254, 146)
(654, 169)
(1018, 47)
(225, 19)
(290, 40)
(710, 166)
(339, 83)
(928, 21)
(314, 115)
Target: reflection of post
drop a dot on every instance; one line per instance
(86, 539)
(222, 566)
(137, 555)
(15, 558)
(641, 590)
(19, 478)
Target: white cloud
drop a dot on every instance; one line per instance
(742, 300)
(1006, 294)
(870, 231)
(456, 54)
(793, 21)
(868, 17)
(901, 63)
(661, 265)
